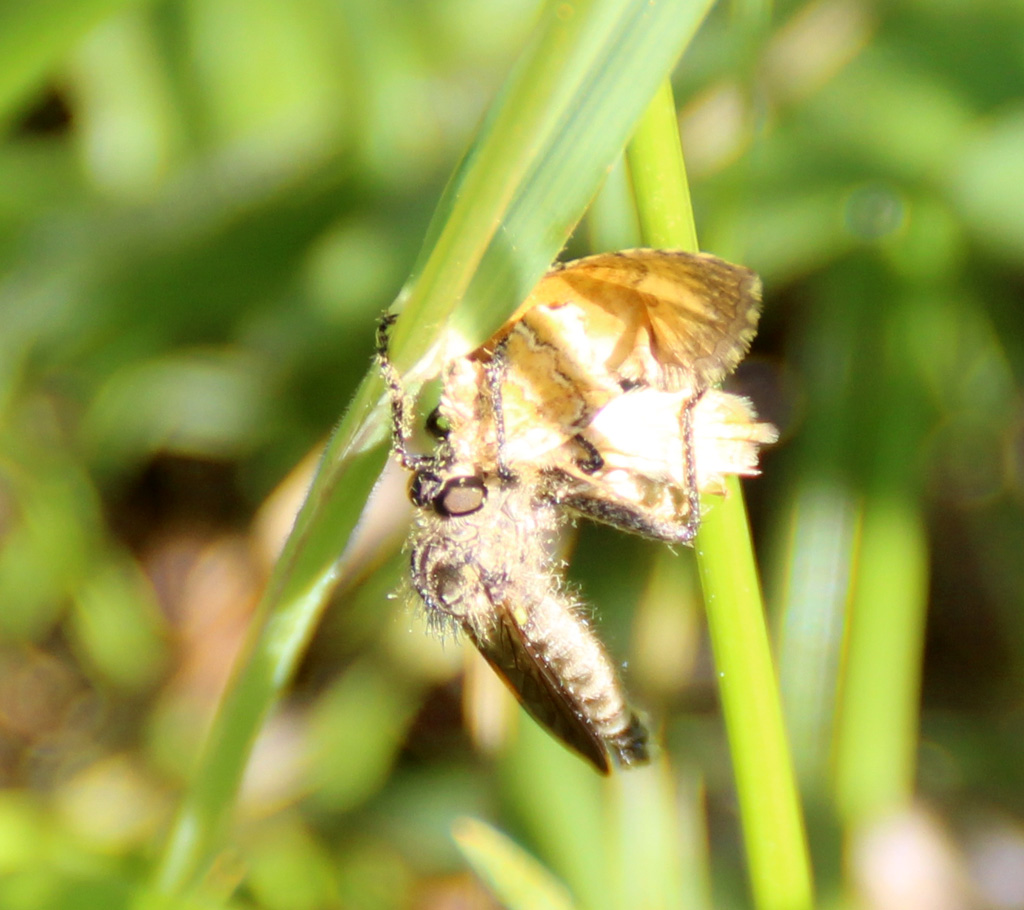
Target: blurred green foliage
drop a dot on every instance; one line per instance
(204, 204)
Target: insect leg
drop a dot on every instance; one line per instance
(400, 420)
(690, 467)
(497, 368)
(634, 519)
(592, 461)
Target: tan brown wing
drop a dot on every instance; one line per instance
(680, 320)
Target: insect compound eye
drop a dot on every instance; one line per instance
(460, 496)
(424, 488)
(449, 585)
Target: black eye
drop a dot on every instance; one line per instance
(424, 488)
(460, 496)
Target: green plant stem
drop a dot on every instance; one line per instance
(660, 187)
(877, 731)
(286, 619)
(774, 835)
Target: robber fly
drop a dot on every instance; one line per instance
(480, 562)
(595, 397)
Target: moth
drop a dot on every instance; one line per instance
(480, 560)
(602, 383)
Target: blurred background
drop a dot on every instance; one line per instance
(204, 206)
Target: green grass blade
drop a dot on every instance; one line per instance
(569, 107)
(513, 876)
(561, 120)
(773, 829)
(659, 852)
(765, 782)
(307, 572)
(660, 187)
(877, 730)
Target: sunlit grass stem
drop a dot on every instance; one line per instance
(774, 836)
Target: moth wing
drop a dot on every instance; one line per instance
(727, 438)
(688, 318)
(639, 435)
